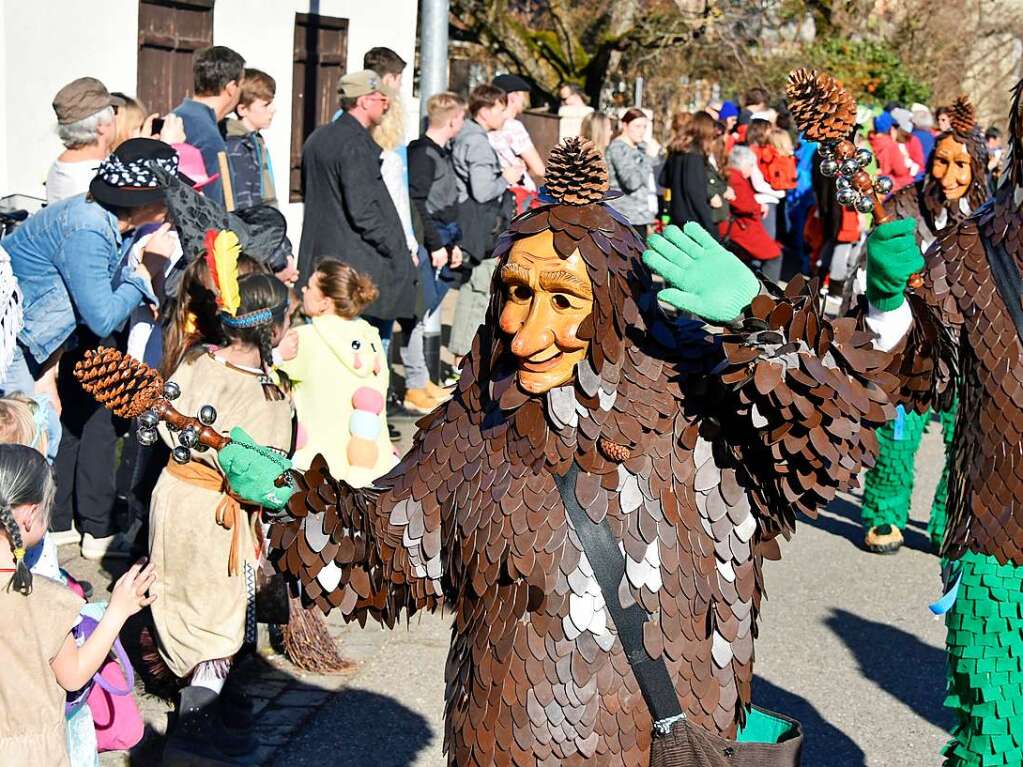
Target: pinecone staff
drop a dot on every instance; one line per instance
(824, 111)
(821, 106)
(118, 382)
(596, 500)
(953, 188)
(967, 313)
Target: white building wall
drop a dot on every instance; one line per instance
(48, 43)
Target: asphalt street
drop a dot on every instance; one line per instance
(847, 646)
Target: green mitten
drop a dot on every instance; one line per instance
(251, 470)
(892, 256)
(703, 277)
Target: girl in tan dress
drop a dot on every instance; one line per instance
(41, 660)
(205, 545)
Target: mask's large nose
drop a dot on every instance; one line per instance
(535, 334)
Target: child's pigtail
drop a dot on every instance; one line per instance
(264, 340)
(22, 578)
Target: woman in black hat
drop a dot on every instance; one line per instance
(78, 291)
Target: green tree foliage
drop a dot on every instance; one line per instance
(871, 70)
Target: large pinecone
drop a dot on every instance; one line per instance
(576, 173)
(820, 105)
(119, 382)
(963, 116)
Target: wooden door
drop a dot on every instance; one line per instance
(170, 32)
(321, 56)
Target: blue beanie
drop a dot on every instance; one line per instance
(728, 109)
(883, 122)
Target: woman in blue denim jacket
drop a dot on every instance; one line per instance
(70, 257)
(77, 289)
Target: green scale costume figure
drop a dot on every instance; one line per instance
(960, 336)
(888, 486)
(954, 187)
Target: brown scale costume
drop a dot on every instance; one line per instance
(698, 448)
(985, 505)
(925, 201)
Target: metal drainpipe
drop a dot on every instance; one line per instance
(433, 50)
(433, 78)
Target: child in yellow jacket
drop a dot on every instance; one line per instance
(339, 378)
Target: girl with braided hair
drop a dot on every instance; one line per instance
(206, 545)
(43, 661)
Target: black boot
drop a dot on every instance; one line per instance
(431, 350)
(198, 737)
(235, 706)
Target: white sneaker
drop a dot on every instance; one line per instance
(64, 537)
(111, 547)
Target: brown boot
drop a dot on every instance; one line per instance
(419, 401)
(437, 392)
(883, 539)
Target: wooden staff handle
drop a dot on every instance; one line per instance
(864, 184)
(207, 434)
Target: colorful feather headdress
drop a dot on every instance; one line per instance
(222, 251)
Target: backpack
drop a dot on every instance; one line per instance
(110, 693)
(781, 172)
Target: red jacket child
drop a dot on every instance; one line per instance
(890, 160)
(744, 231)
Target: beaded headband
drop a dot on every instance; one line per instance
(250, 320)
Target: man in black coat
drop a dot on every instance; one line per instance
(349, 214)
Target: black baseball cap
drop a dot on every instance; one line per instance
(511, 83)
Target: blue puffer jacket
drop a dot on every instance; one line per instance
(69, 261)
(251, 170)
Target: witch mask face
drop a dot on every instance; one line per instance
(546, 298)
(952, 168)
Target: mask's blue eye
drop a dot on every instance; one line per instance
(356, 345)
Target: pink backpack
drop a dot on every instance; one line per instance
(110, 694)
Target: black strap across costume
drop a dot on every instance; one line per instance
(677, 742)
(608, 565)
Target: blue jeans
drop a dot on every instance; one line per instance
(18, 378)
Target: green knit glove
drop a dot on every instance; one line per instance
(892, 257)
(251, 470)
(703, 278)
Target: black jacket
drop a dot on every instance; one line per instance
(433, 189)
(349, 215)
(685, 174)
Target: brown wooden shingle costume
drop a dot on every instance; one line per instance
(698, 448)
(985, 505)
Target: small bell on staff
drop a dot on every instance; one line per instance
(207, 415)
(147, 437)
(188, 438)
(883, 185)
